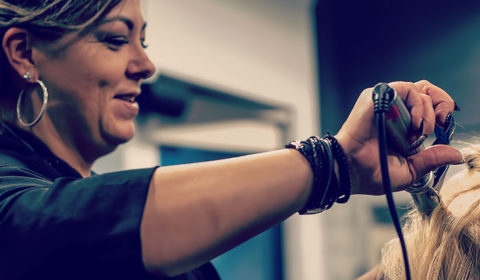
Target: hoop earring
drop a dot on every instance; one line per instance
(27, 77)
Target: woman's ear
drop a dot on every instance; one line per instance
(17, 46)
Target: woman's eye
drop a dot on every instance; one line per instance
(116, 41)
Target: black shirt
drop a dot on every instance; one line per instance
(54, 224)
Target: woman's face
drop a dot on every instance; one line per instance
(93, 79)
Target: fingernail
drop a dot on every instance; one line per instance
(448, 120)
(460, 162)
(418, 142)
(456, 108)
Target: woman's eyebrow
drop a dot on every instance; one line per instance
(128, 22)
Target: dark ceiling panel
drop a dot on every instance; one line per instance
(360, 43)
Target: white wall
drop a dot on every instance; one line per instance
(253, 47)
(261, 49)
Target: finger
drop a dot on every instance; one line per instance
(428, 115)
(441, 100)
(411, 95)
(432, 158)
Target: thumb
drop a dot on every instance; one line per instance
(432, 158)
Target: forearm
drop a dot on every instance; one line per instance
(195, 212)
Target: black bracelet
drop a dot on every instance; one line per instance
(328, 198)
(316, 158)
(343, 168)
(321, 154)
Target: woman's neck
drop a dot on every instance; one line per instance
(61, 147)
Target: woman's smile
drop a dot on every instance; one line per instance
(125, 106)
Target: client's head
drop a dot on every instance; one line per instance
(446, 245)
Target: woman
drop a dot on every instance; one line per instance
(445, 245)
(58, 221)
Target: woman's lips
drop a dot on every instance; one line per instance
(124, 106)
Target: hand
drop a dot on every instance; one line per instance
(427, 103)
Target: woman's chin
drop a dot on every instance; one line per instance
(119, 134)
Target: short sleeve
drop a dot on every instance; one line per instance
(71, 228)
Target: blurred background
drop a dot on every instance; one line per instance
(238, 77)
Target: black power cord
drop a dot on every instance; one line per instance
(382, 96)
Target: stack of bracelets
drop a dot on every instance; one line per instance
(321, 153)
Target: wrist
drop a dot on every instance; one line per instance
(331, 182)
(350, 152)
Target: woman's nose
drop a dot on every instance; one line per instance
(141, 67)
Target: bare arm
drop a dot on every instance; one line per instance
(195, 212)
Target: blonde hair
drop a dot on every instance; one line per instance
(446, 245)
(53, 16)
(48, 20)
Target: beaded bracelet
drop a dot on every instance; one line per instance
(321, 153)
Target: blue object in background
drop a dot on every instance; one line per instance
(260, 258)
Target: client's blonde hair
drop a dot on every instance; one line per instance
(446, 245)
